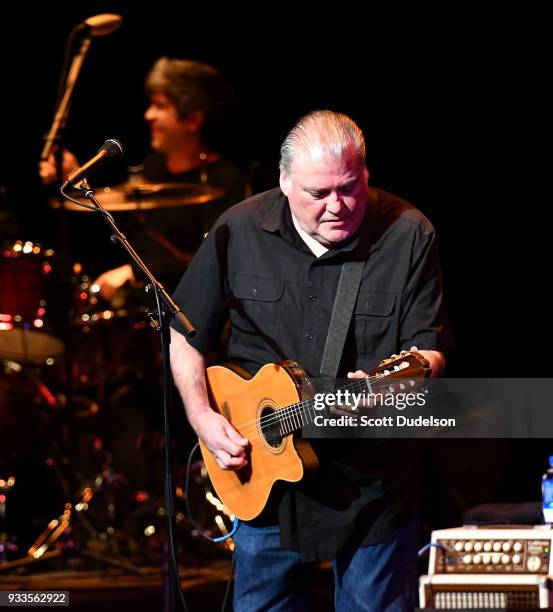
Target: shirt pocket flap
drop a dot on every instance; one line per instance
(375, 303)
(248, 287)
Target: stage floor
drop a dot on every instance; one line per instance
(112, 589)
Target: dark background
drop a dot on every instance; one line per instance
(456, 113)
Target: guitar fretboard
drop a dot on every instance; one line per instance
(295, 416)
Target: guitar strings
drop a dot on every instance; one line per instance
(296, 412)
(293, 414)
(290, 410)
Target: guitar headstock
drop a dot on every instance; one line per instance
(407, 365)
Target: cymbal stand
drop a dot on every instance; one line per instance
(53, 143)
(6, 545)
(41, 549)
(104, 484)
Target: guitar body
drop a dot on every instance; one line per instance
(250, 404)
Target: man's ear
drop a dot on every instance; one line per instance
(194, 121)
(284, 183)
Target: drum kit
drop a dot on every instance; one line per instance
(80, 399)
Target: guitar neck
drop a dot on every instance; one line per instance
(295, 416)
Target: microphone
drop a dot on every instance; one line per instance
(111, 149)
(100, 25)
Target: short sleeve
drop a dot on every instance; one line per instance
(202, 292)
(423, 320)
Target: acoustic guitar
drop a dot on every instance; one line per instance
(269, 409)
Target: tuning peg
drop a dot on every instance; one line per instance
(391, 358)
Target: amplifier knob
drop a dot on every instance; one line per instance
(468, 546)
(533, 563)
(476, 560)
(467, 559)
(478, 546)
(496, 558)
(487, 546)
(517, 559)
(506, 546)
(497, 546)
(458, 546)
(505, 559)
(486, 558)
(517, 546)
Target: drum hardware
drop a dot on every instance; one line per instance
(34, 423)
(7, 544)
(58, 537)
(27, 410)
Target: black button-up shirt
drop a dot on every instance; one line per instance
(256, 270)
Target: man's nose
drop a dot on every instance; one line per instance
(149, 113)
(334, 202)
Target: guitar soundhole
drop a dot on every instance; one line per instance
(270, 427)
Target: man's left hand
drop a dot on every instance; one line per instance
(436, 360)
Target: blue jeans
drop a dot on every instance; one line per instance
(379, 578)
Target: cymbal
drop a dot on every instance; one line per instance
(29, 345)
(148, 196)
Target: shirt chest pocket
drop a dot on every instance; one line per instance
(374, 321)
(257, 302)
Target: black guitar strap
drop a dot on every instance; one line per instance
(348, 288)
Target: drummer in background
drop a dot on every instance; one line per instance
(187, 100)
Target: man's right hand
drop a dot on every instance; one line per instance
(223, 441)
(47, 168)
(216, 433)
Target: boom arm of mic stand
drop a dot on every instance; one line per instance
(60, 116)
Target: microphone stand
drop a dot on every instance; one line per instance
(166, 309)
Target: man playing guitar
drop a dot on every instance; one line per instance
(271, 265)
